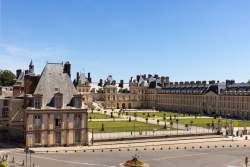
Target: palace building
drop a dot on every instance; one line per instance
(226, 99)
(46, 109)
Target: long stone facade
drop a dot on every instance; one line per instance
(226, 99)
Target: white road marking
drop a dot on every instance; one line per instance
(174, 157)
(69, 162)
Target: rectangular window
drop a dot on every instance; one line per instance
(77, 121)
(5, 112)
(78, 102)
(37, 122)
(78, 136)
(58, 138)
(5, 103)
(58, 123)
(37, 103)
(37, 138)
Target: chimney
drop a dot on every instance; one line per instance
(100, 83)
(211, 82)
(77, 77)
(138, 78)
(198, 82)
(131, 79)
(156, 76)
(89, 78)
(67, 68)
(121, 84)
(113, 83)
(18, 72)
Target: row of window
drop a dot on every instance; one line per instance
(57, 121)
(58, 137)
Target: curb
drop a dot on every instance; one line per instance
(152, 148)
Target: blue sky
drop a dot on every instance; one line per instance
(186, 40)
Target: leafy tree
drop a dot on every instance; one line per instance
(3, 164)
(102, 127)
(7, 78)
(248, 81)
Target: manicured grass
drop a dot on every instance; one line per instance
(122, 126)
(98, 116)
(157, 114)
(204, 121)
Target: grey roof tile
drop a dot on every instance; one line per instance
(53, 80)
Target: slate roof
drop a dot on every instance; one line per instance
(20, 79)
(53, 80)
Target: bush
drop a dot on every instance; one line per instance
(3, 164)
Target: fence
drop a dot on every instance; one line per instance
(141, 132)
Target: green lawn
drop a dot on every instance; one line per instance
(204, 121)
(122, 126)
(98, 116)
(157, 114)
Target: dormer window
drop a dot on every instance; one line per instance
(58, 100)
(37, 101)
(78, 101)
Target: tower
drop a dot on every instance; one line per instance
(31, 67)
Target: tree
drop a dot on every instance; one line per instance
(158, 121)
(7, 78)
(165, 119)
(171, 124)
(248, 81)
(147, 120)
(177, 123)
(135, 115)
(102, 127)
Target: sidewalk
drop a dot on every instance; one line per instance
(183, 143)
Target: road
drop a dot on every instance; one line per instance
(226, 157)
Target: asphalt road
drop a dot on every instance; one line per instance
(227, 157)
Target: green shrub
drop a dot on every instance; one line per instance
(3, 164)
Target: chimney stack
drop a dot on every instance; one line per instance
(121, 84)
(67, 68)
(211, 82)
(77, 77)
(100, 83)
(18, 72)
(138, 78)
(89, 78)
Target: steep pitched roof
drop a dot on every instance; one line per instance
(53, 80)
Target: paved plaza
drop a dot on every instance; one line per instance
(186, 152)
(222, 157)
